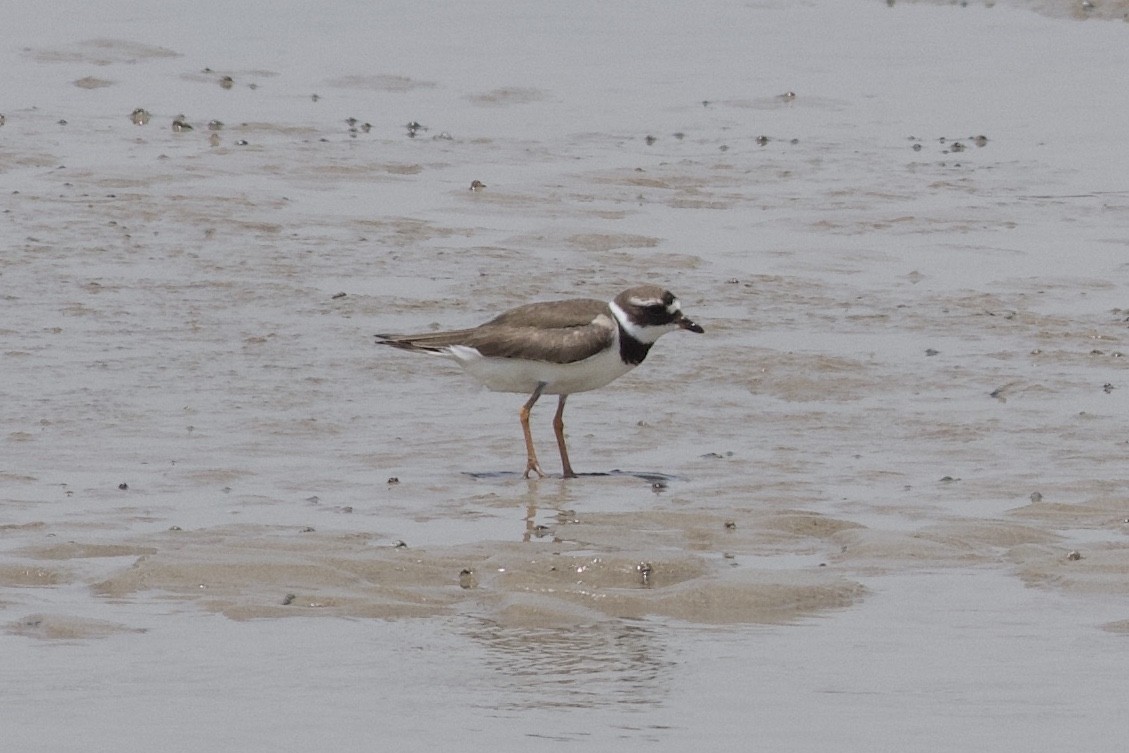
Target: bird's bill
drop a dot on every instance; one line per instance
(686, 322)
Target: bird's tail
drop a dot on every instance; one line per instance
(430, 342)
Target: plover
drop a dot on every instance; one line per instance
(557, 348)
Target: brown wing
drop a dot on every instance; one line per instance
(578, 312)
(564, 345)
(538, 332)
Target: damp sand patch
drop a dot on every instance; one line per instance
(62, 627)
(266, 572)
(1098, 568)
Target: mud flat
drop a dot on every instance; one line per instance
(881, 501)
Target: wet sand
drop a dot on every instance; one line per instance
(881, 501)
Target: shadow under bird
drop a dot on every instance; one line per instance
(557, 348)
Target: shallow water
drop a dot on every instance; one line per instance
(881, 500)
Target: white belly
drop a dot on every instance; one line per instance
(516, 375)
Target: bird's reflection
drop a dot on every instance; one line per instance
(610, 663)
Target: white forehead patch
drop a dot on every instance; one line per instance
(644, 302)
(673, 308)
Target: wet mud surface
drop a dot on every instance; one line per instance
(913, 375)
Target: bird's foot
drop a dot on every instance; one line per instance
(532, 466)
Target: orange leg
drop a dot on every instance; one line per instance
(531, 464)
(558, 427)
